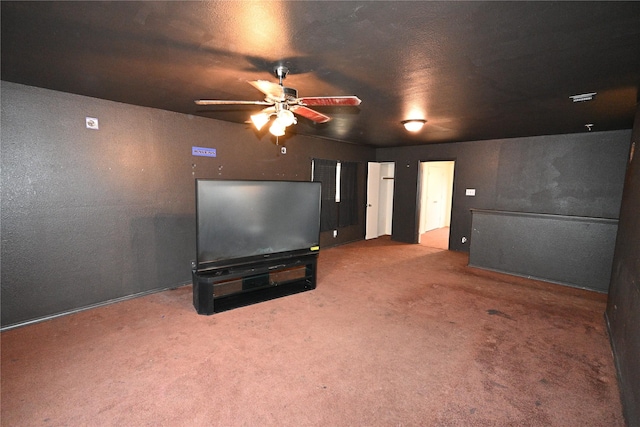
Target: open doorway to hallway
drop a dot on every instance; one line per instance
(379, 216)
(435, 192)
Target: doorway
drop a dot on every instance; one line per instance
(380, 176)
(435, 193)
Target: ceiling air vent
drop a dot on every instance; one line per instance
(583, 97)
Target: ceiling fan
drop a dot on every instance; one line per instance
(282, 102)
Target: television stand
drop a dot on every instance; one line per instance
(227, 288)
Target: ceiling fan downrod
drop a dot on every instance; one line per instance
(281, 73)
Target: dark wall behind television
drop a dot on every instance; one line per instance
(90, 216)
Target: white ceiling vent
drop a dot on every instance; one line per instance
(583, 97)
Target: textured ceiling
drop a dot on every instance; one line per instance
(474, 70)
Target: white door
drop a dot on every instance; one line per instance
(422, 194)
(435, 204)
(379, 199)
(385, 200)
(373, 199)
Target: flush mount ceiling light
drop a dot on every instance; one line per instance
(413, 125)
(583, 97)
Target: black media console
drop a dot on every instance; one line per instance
(231, 287)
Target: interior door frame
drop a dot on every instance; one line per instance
(384, 208)
(419, 200)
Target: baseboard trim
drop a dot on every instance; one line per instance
(89, 307)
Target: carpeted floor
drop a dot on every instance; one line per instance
(394, 335)
(438, 238)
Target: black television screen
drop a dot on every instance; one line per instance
(244, 221)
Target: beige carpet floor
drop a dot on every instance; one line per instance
(438, 238)
(394, 335)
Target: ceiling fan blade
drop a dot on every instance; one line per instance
(272, 90)
(331, 100)
(225, 102)
(310, 114)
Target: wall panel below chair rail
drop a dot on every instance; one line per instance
(569, 250)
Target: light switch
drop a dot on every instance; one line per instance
(470, 192)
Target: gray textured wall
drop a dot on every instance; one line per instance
(577, 174)
(90, 216)
(570, 250)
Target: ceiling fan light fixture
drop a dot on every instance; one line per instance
(277, 129)
(286, 118)
(282, 101)
(260, 119)
(413, 125)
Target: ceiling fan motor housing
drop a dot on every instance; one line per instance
(290, 94)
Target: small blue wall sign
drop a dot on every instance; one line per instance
(203, 152)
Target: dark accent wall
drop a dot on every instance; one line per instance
(577, 174)
(623, 305)
(575, 251)
(90, 216)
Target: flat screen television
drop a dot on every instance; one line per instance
(240, 222)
